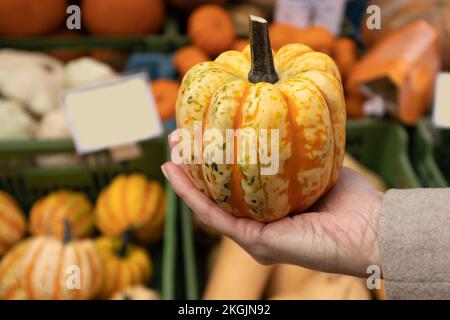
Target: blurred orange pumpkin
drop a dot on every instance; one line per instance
(187, 57)
(118, 17)
(30, 18)
(211, 28)
(165, 93)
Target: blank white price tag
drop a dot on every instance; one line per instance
(111, 114)
(304, 13)
(441, 108)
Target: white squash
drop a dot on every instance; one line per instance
(33, 79)
(15, 122)
(54, 126)
(85, 71)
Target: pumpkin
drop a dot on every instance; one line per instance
(118, 17)
(138, 292)
(131, 202)
(42, 267)
(300, 94)
(236, 275)
(189, 5)
(12, 222)
(318, 38)
(187, 57)
(398, 13)
(29, 18)
(282, 34)
(402, 68)
(125, 265)
(48, 214)
(211, 28)
(239, 44)
(165, 93)
(344, 52)
(15, 122)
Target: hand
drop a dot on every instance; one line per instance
(338, 236)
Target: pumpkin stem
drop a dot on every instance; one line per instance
(263, 69)
(126, 237)
(67, 233)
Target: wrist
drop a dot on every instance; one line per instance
(374, 257)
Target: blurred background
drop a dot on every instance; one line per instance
(389, 53)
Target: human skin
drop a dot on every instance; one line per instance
(338, 235)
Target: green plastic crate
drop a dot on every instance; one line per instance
(431, 154)
(380, 145)
(27, 183)
(162, 42)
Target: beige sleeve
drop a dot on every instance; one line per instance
(414, 238)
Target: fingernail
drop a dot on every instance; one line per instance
(164, 171)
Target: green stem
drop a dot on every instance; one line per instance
(263, 69)
(67, 233)
(126, 237)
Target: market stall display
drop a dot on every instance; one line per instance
(118, 220)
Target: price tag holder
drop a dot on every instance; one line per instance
(112, 115)
(305, 13)
(441, 108)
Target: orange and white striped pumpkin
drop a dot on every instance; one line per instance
(46, 268)
(299, 92)
(131, 202)
(124, 265)
(12, 222)
(48, 214)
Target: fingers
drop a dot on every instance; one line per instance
(172, 140)
(208, 212)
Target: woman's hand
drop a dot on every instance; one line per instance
(339, 235)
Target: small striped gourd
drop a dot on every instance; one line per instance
(124, 265)
(134, 203)
(47, 268)
(298, 92)
(48, 214)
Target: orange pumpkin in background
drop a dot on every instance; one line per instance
(345, 53)
(299, 92)
(318, 38)
(211, 28)
(30, 18)
(402, 68)
(118, 17)
(165, 93)
(239, 44)
(282, 34)
(187, 57)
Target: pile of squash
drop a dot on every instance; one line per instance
(60, 259)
